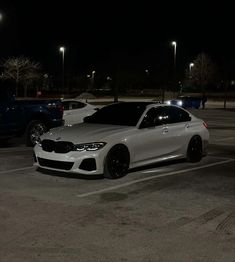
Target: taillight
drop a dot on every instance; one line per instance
(61, 108)
(205, 125)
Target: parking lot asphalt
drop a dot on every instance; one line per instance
(175, 211)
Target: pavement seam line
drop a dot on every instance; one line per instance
(224, 139)
(15, 170)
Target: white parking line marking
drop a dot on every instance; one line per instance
(15, 149)
(17, 169)
(153, 177)
(218, 157)
(224, 139)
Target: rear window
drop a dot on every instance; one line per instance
(176, 115)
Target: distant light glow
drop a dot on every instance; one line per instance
(190, 67)
(173, 43)
(180, 103)
(1, 16)
(62, 49)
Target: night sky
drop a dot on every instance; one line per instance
(104, 35)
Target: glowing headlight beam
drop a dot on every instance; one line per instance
(89, 146)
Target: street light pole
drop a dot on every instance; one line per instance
(93, 79)
(174, 44)
(62, 50)
(190, 68)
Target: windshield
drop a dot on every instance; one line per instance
(124, 114)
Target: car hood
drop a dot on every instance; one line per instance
(85, 132)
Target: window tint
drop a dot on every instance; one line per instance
(154, 117)
(70, 105)
(176, 115)
(164, 115)
(127, 114)
(76, 105)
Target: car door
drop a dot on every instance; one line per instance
(177, 124)
(151, 139)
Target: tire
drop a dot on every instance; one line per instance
(34, 130)
(194, 151)
(117, 162)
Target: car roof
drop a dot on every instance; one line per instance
(133, 103)
(146, 104)
(71, 99)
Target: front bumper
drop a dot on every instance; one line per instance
(86, 163)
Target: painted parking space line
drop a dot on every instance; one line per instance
(219, 157)
(224, 139)
(96, 192)
(16, 169)
(15, 150)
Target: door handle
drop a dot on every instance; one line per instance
(187, 126)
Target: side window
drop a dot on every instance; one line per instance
(177, 115)
(154, 117)
(76, 105)
(66, 105)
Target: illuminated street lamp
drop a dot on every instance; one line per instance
(62, 50)
(92, 79)
(190, 67)
(174, 44)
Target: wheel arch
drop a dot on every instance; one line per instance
(123, 145)
(118, 162)
(195, 136)
(40, 116)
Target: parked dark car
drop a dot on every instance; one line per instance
(186, 101)
(28, 117)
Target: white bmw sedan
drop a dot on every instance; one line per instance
(75, 110)
(122, 136)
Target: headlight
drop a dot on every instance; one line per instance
(180, 103)
(89, 146)
(168, 102)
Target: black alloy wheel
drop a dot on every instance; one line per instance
(117, 162)
(194, 152)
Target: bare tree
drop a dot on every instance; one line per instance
(30, 78)
(203, 72)
(21, 70)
